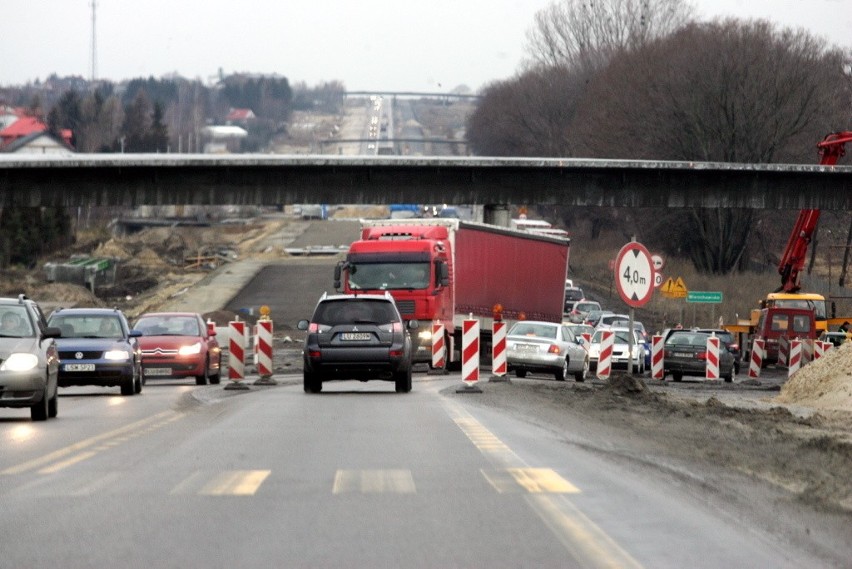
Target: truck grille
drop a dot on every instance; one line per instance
(405, 306)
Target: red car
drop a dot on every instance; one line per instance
(179, 345)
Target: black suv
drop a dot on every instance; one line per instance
(359, 337)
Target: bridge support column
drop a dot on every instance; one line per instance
(497, 214)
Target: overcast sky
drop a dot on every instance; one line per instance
(367, 44)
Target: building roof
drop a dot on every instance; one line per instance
(26, 126)
(240, 115)
(22, 142)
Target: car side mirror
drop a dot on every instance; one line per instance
(413, 324)
(52, 332)
(302, 325)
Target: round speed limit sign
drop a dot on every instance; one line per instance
(634, 274)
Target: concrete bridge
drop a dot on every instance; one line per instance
(159, 179)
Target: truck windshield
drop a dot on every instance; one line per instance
(388, 276)
(818, 306)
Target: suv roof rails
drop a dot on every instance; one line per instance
(22, 297)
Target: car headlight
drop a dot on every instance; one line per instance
(190, 350)
(116, 355)
(425, 335)
(19, 362)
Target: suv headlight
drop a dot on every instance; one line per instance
(116, 355)
(19, 362)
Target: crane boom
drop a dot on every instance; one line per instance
(831, 149)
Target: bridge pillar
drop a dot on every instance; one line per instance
(497, 214)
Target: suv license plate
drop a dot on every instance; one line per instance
(354, 336)
(79, 367)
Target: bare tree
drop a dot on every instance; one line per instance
(723, 91)
(584, 35)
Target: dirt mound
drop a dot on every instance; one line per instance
(111, 248)
(825, 383)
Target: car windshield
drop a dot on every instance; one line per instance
(168, 326)
(15, 322)
(533, 330)
(335, 312)
(87, 326)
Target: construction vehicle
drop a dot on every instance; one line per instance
(789, 295)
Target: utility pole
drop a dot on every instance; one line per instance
(94, 4)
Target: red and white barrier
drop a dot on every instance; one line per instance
(587, 341)
(711, 371)
(498, 348)
(758, 352)
(821, 348)
(795, 361)
(783, 350)
(657, 352)
(438, 347)
(605, 358)
(470, 352)
(264, 348)
(808, 348)
(237, 350)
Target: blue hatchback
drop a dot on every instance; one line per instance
(97, 347)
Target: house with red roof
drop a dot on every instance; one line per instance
(26, 126)
(240, 116)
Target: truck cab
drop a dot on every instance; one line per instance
(792, 323)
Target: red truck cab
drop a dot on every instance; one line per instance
(792, 323)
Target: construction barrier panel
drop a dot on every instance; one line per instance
(237, 351)
(756, 359)
(820, 348)
(438, 347)
(605, 358)
(470, 352)
(783, 350)
(807, 350)
(264, 348)
(795, 357)
(711, 370)
(498, 348)
(657, 353)
(587, 341)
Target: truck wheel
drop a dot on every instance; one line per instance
(581, 375)
(312, 383)
(562, 372)
(403, 381)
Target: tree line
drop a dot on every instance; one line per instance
(642, 79)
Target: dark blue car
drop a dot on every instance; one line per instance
(97, 347)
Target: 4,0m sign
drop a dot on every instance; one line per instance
(634, 274)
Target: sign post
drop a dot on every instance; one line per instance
(634, 279)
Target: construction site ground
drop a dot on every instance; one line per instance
(784, 443)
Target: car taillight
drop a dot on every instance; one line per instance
(314, 354)
(313, 328)
(734, 347)
(701, 356)
(396, 353)
(554, 349)
(392, 327)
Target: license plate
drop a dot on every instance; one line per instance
(682, 355)
(79, 367)
(526, 347)
(158, 371)
(355, 336)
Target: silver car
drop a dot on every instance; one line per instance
(546, 347)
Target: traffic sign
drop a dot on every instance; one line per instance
(634, 274)
(658, 280)
(658, 262)
(674, 289)
(704, 296)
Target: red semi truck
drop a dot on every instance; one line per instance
(444, 270)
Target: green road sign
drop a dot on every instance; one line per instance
(703, 296)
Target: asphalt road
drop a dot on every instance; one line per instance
(357, 476)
